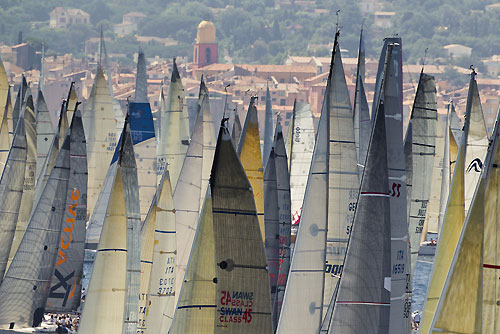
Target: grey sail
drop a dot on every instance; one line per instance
(285, 218)
(272, 227)
(11, 191)
(44, 132)
(132, 207)
(141, 80)
(24, 291)
(187, 200)
(21, 97)
(268, 129)
(424, 123)
(363, 297)
(236, 132)
(456, 126)
(65, 286)
(409, 164)
(242, 276)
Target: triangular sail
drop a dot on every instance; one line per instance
(300, 155)
(464, 281)
(44, 131)
(71, 103)
(249, 152)
(455, 125)
(4, 89)
(11, 191)
(209, 139)
(477, 140)
(363, 297)
(448, 238)
(24, 291)
(29, 176)
(243, 300)
(268, 128)
(18, 105)
(236, 132)
(424, 122)
(197, 307)
(5, 133)
(65, 287)
(174, 129)
(141, 80)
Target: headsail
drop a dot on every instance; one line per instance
(44, 131)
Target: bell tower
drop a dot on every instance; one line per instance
(205, 47)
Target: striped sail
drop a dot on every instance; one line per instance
(448, 238)
(174, 130)
(104, 309)
(424, 123)
(490, 314)
(99, 123)
(5, 133)
(44, 131)
(24, 290)
(65, 287)
(464, 280)
(343, 184)
(268, 128)
(477, 141)
(196, 308)
(243, 299)
(29, 177)
(250, 156)
(301, 152)
(187, 200)
(11, 191)
(141, 80)
(302, 307)
(364, 296)
(161, 291)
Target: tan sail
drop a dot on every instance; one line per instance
(459, 308)
(448, 238)
(249, 151)
(4, 89)
(196, 308)
(99, 123)
(5, 133)
(103, 311)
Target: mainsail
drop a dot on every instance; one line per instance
(174, 130)
(65, 286)
(423, 122)
(44, 131)
(11, 191)
(24, 291)
(243, 300)
(141, 80)
(249, 152)
(300, 155)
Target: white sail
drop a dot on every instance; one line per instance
(65, 286)
(302, 307)
(477, 140)
(29, 177)
(302, 147)
(423, 122)
(243, 300)
(209, 139)
(71, 102)
(197, 307)
(44, 131)
(11, 191)
(174, 129)
(24, 290)
(141, 80)
(187, 200)
(100, 129)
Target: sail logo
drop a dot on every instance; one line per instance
(475, 164)
(68, 231)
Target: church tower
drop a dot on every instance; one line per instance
(205, 47)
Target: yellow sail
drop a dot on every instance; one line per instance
(5, 136)
(103, 311)
(197, 305)
(453, 153)
(4, 89)
(459, 308)
(448, 239)
(491, 245)
(249, 150)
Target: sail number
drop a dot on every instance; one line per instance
(237, 307)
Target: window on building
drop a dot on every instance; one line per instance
(282, 102)
(282, 80)
(208, 55)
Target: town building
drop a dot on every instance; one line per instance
(205, 47)
(63, 17)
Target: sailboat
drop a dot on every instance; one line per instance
(65, 286)
(104, 310)
(24, 290)
(423, 149)
(174, 134)
(11, 191)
